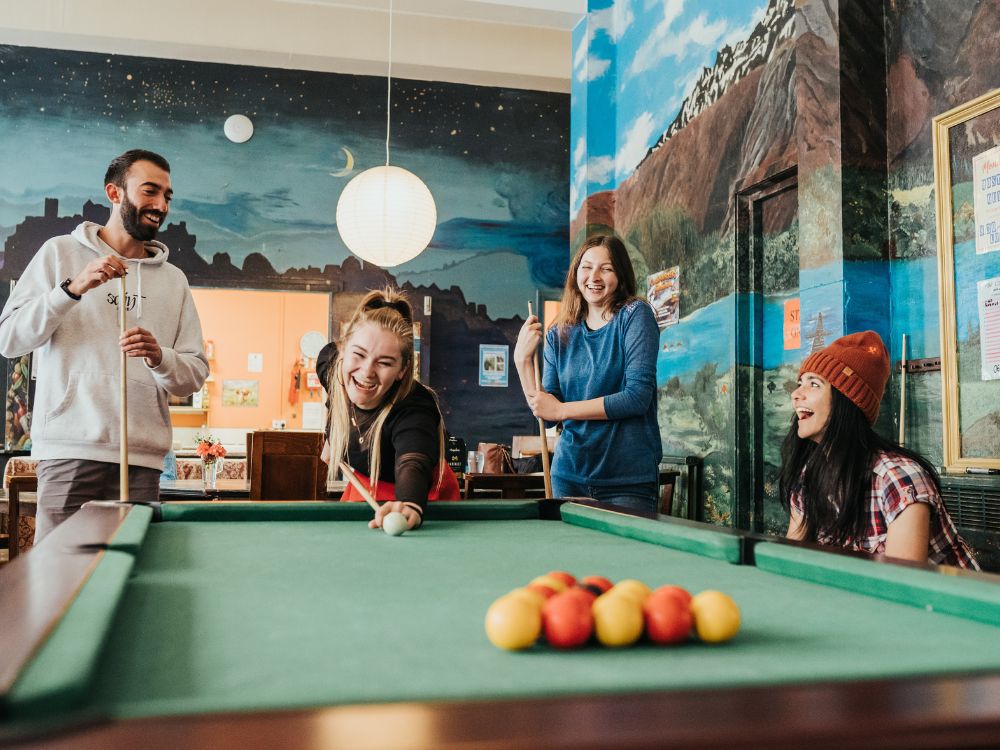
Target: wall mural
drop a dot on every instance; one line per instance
(710, 94)
(702, 95)
(261, 214)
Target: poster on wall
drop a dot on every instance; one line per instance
(493, 365)
(989, 327)
(792, 326)
(664, 291)
(986, 200)
(240, 393)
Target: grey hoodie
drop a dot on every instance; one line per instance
(76, 407)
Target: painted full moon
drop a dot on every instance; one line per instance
(238, 128)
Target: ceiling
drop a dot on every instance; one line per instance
(548, 14)
(513, 43)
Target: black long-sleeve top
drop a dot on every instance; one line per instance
(409, 451)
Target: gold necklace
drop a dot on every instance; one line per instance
(357, 426)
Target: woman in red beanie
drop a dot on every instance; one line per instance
(843, 483)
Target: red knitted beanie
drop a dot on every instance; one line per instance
(857, 365)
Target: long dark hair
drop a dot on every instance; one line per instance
(834, 476)
(573, 308)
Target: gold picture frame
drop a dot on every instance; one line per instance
(954, 458)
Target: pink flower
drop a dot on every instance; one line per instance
(218, 450)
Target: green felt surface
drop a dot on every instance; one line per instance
(250, 616)
(964, 597)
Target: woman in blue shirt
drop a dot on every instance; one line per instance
(599, 381)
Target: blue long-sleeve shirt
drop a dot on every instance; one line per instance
(617, 362)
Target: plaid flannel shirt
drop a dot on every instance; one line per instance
(897, 483)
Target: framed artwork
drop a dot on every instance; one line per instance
(240, 393)
(967, 192)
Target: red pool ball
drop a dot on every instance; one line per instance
(566, 620)
(683, 594)
(667, 618)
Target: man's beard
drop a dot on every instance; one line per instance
(132, 221)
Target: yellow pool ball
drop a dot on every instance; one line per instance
(513, 622)
(618, 619)
(716, 616)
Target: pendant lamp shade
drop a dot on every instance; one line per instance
(386, 216)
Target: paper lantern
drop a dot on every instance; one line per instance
(386, 216)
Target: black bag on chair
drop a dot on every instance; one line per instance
(528, 464)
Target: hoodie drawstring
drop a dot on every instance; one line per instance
(139, 288)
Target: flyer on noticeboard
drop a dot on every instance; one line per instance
(493, 359)
(664, 290)
(986, 200)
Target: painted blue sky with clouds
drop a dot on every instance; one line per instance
(634, 61)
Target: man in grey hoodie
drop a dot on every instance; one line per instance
(64, 309)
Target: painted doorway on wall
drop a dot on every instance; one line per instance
(768, 344)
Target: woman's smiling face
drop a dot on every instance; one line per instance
(812, 401)
(373, 364)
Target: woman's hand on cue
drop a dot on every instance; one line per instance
(138, 342)
(395, 506)
(528, 339)
(96, 273)
(546, 406)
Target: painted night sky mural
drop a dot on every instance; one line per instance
(496, 160)
(262, 214)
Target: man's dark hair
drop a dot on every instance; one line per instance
(120, 165)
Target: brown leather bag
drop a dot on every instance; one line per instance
(496, 458)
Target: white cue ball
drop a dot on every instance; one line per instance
(394, 524)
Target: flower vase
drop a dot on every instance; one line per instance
(210, 471)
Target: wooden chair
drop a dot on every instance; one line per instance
(667, 481)
(692, 486)
(17, 484)
(285, 465)
(531, 445)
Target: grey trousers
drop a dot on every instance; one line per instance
(65, 484)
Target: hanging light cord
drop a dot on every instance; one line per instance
(388, 91)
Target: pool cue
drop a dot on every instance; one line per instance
(348, 473)
(123, 399)
(902, 397)
(546, 471)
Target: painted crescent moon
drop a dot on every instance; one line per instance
(348, 168)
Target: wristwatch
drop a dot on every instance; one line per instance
(65, 287)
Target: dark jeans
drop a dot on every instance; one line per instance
(641, 496)
(65, 484)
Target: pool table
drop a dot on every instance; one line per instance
(264, 625)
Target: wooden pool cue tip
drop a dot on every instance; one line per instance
(123, 400)
(902, 396)
(546, 470)
(348, 473)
